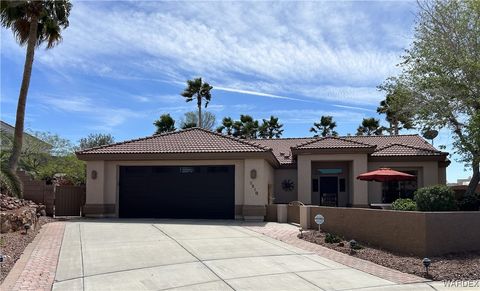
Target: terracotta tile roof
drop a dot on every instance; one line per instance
(417, 146)
(197, 140)
(193, 140)
(333, 143)
(383, 140)
(404, 150)
(282, 147)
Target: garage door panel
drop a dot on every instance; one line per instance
(177, 191)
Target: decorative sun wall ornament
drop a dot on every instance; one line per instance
(288, 185)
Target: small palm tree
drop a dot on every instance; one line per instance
(324, 127)
(370, 126)
(246, 127)
(164, 124)
(198, 89)
(227, 126)
(270, 128)
(32, 23)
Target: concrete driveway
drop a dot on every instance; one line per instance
(194, 255)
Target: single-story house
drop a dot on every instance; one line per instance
(196, 173)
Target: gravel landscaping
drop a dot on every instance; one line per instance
(12, 245)
(465, 266)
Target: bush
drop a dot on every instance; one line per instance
(404, 205)
(435, 198)
(71, 170)
(331, 238)
(469, 202)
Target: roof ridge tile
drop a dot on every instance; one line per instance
(319, 139)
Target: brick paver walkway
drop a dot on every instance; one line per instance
(288, 233)
(39, 271)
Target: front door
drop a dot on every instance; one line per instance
(329, 191)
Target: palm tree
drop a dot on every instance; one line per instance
(370, 126)
(324, 127)
(226, 127)
(270, 128)
(246, 127)
(32, 23)
(164, 124)
(196, 88)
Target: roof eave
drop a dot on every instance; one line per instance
(267, 155)
(402, 158)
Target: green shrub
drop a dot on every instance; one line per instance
(331, 238)
(435, 198)
(469, 202)
(404, 204)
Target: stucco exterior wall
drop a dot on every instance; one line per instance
(409, 232)
(359, 189)
(95, 187)
(428, 174)
(282, 196)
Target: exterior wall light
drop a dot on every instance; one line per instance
(253, 174)
(94, 175)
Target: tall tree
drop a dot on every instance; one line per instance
(95, 140)
(370, 126)
(32, 23)
(227, 126)
(442, 66)
(190, 119)
(164, 124)
(270, 128)
(395, 106)
(246, 127)
(325, 127)
(197, 89)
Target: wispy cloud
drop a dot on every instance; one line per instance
(299, 48)
(308, 116)
(257, 93)
(103, 117)
(353, 107)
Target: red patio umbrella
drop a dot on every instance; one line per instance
(385, 175)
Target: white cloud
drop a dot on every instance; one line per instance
(318, 51)
(248, 92)
(105, 117)
(304, 116)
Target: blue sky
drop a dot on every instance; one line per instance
(122, 64)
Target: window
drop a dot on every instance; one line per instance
(189, 170)
(393, 190)
(217, 169)
(329, 171)
(314, 185)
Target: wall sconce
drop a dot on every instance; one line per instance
(94, 175)
(253, 174)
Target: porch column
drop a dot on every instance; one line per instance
(360, 188)
(304, 171)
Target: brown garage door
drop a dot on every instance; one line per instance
(177, 192)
